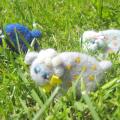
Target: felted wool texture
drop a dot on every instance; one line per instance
(20, 33)
(75, 63)
(107, 40)
(67, 66)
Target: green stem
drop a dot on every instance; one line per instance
(42, 110)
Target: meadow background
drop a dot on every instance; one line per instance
(62, 22)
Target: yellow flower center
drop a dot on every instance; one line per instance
(68, 67)
(93, 67)
(77, 60)
(91, 77)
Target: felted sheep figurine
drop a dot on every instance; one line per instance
(20, 34)
(107, 40)
(49, 68)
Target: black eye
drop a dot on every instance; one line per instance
(37, 69)
(45, 75)
(93, 42)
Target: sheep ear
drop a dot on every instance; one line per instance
(56, 61)
(88, 35)
(48, 62)
(30, 56)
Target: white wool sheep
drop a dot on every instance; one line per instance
(67, 66)
(107, 40)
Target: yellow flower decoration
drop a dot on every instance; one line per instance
(68, 67)
(77, 60)
(94, 67)
(84, 68)
(91, 77)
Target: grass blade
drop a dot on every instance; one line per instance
(41, 111)
(88, 101)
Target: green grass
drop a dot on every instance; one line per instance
(61, 22)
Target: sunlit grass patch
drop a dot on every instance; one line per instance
(62, 23)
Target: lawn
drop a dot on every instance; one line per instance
(62, 22)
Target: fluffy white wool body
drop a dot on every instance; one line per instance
(67, 66)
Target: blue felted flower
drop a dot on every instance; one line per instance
(22, 34)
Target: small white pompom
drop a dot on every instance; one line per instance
(47, 53)
(42, 53)
(48, 62)
(56, 61)
(51, 53)
(30, 56)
